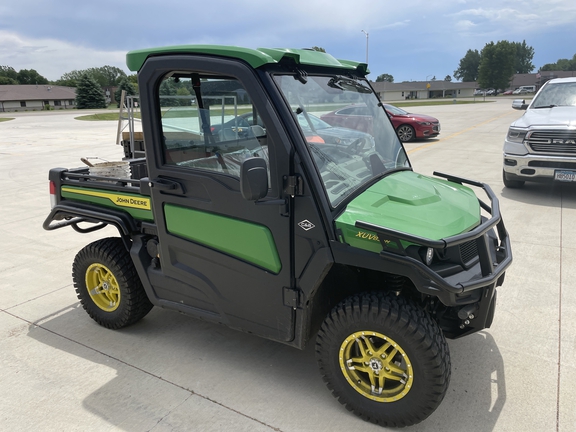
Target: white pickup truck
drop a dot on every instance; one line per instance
(541, 145)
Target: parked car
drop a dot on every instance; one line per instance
(507, 93)
(479, 92)
(316, 130)
(541, 145)
(521, 91)
(408, 126)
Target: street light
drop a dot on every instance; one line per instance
(366, 33)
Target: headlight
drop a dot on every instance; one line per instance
(424, 123)
(516, 135)
(429, 256)
(426, 254)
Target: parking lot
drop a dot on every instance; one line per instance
(61, 371)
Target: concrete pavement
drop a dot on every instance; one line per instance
(61, 371)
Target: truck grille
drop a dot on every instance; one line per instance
(552, 142)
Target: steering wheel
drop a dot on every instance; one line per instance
(357, 146)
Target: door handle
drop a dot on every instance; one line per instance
(167, 186)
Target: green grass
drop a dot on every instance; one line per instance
(3, 119)
(193, 112)
(98, 117)
(103, 116)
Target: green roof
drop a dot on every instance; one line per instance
(254, 57)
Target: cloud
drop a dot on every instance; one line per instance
(52, 58)
(465, 26)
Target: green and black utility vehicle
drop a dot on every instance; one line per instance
(249, 210)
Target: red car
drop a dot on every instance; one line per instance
(408, 126)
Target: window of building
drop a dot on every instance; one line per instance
(23, 104)
(57, 103)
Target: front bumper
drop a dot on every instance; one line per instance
(428, 131)
(536, 167)
(470, 292)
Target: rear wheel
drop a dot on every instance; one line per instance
(512, 184)
(107, 284)
(406, 133)
(384, 359)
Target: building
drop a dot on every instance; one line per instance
(423, 90)
(538, 79)
(36, 97)
(447, 89)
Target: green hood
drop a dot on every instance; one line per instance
(411, 203)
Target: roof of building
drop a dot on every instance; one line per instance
(538, 78)
(35, 92)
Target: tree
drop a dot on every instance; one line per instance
(107, 75)
(524, 56)
(468, 67)
(315, 48)
(561, 65)
(89, 94)
(5, 80)
(26, 76)
(497, 65)
(385, 77)
(448, 78)
(124, 85)
(70, 79)
(9, 73)
(104, 76)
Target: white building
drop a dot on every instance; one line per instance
(36, 97)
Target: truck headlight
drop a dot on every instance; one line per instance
(516, 135)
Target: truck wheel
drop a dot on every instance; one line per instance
(406, 133)
(384, 358)
(107, 284)
(512, 184)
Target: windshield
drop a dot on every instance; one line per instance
(556, 94)
(347, 131)
(394, 110)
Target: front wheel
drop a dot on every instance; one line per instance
(406, 133)
(384, 359)
(107, 284)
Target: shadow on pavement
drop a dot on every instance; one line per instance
(167, 357)
(553, 194)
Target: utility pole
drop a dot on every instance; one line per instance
(366, 33)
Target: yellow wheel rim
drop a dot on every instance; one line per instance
(103, 287)
(376, 366)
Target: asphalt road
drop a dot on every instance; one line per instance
(59, 370)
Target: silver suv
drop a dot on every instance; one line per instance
(541, 145)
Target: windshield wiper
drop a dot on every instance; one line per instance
(546, 106)
(348, 84)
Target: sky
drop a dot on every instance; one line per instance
(412, 41)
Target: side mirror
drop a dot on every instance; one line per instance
(519, 104)
(254, 179)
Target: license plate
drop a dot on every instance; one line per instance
(565, 176)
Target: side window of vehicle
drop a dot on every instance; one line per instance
(209, 123)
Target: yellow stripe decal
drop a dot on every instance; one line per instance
(131, 201)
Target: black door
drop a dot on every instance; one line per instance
(222, 257)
